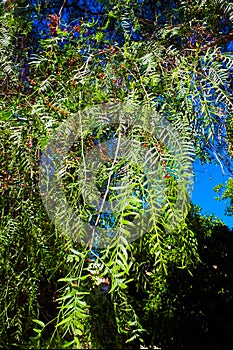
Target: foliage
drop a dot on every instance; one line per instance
(199, 303)
(49, 296)
(225, 192)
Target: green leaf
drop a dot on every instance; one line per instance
(40, 323)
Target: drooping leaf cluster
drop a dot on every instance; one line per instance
(53, 64)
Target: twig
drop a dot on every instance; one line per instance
(218, 160)
(107, 188)
(60, 12)
(62, 8)
(140, 78)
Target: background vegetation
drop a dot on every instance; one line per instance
(170, 288)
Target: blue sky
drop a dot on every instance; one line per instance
(206, 177)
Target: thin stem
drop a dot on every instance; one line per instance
(107, 188)
(61, 9)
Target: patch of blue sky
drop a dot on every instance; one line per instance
(207, 176)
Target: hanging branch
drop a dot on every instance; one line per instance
(107, 188)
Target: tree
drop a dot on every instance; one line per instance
(195, 311)
(118, 53)
(226, 191)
